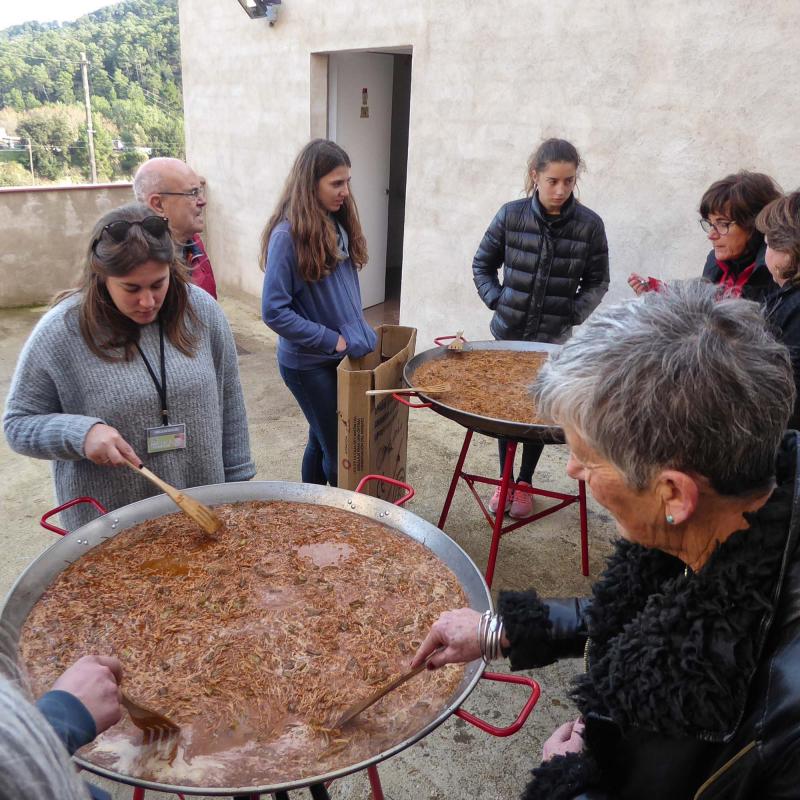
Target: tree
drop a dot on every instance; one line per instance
(129, 161)
(167, 138)
(101, 106)
(13, 99)
(64, 87)
(38, 83)
(101, 84)
(50, 138)
(104, 134)
(12, 173)
(9, 119)
(133, 49)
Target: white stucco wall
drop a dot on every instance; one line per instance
(661, 99)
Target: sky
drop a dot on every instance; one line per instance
(13, 12)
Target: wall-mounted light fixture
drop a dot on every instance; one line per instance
(258, 9)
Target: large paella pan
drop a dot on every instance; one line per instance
(45, 572)
(451, 370)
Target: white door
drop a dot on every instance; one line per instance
(360, 121)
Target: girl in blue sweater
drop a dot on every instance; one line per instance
(312, 248)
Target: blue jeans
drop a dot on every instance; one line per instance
(315, 392)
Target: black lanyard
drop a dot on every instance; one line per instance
(161, 387)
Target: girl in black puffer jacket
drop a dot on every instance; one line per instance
(554, 255)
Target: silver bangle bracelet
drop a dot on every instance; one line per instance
(490, 633)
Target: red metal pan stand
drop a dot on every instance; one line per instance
(372, 772)
(506, 485)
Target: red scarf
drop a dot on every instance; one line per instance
(731, 283)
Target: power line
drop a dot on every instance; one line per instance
(50, 58)
(155, 97)
(52, 146)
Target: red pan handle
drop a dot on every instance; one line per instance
(404, 499)
(523, 715)
(440, 340)
(401, 399)
(60, 531)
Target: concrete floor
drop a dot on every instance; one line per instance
(456, 759)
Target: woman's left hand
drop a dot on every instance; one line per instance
(566, 739)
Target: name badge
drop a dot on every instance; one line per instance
(166, 437)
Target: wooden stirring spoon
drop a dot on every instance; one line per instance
(154, 726)
(198, 511)
(439, 388)
(355, 709)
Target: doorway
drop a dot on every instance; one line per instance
(369, 98)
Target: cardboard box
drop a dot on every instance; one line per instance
(373, 431)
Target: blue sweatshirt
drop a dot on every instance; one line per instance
(310, 316)
(73, 723)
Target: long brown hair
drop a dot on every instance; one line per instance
(313, 231)
(105, 329)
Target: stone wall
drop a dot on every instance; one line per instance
(44, 235)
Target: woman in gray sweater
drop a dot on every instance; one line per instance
(135, 364)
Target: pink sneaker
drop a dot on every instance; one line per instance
(495, 501)
(522, 506)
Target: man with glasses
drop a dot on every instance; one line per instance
(175, 191)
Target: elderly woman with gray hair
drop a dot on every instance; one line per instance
(674, 408)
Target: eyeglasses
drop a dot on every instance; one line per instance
(118, 231)
(195, 193)
(720, 227)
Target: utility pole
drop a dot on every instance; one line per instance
(30, 160)
(89, 129)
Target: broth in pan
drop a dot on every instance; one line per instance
(254, 641)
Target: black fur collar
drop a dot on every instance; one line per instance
(675, 654)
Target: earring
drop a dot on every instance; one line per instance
(670, 519)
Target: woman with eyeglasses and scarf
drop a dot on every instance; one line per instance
(728, 212)
(134, 365)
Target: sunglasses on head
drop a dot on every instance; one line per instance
(118, 231)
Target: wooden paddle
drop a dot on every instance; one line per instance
(458, 341)
(438, 389)
(198, 511)
(356, 708)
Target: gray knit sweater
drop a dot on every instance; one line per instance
(60, 389)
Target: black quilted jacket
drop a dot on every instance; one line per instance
(555, 272)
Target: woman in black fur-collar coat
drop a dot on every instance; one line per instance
(780, 224)
(674, 408)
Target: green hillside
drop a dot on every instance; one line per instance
(135, 84)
